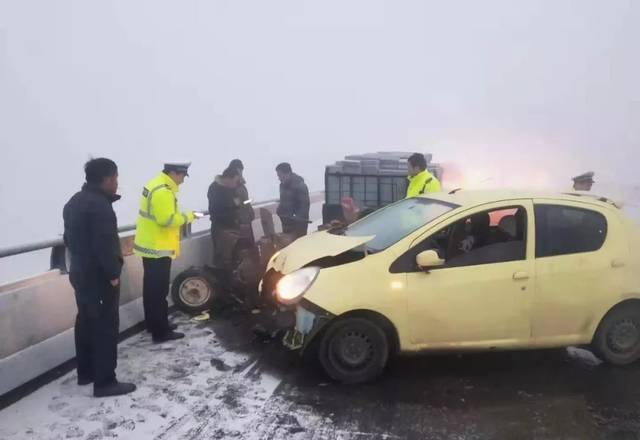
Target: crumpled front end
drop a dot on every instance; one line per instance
(301, 321)
(276, 316)
(309, 321)
(301, 318)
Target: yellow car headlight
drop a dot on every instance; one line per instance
(291, 287)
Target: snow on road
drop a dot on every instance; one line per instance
(186, 390)
(211, 385)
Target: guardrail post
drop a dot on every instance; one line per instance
(59, 259)
(186, 230)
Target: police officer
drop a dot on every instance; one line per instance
(91, 236)
(421, 181)
(583, 182)
(157, 241)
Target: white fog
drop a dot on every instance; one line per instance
(526, 93)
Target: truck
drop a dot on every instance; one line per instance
(371, 180)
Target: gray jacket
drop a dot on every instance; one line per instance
(294, 200)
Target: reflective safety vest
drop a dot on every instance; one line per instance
(159, 219)
(421, 183)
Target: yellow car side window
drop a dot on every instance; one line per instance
(487, 237)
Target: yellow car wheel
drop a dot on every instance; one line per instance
(354, 350)
(617, 340)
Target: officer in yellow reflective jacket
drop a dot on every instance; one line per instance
(157, 241)
(421, 181)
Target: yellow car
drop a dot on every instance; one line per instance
(464, 271)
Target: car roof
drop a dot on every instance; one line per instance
(479, 197)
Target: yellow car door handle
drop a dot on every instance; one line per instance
(518, 276)
(617, 262)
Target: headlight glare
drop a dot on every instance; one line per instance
(292, 286)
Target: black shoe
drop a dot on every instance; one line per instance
(114, 389)
(171, 327)
(169, 336)
(84, 380)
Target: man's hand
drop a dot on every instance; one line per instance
(115, 283)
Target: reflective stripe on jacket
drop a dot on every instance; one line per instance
(421, 183)
(159, 219)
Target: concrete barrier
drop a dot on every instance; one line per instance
(37, 314)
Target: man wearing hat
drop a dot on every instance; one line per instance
(583, 182)
(157, 241)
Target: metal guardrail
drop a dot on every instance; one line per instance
(58, 250)
(52, 243)
(31, 247)
(46, 244)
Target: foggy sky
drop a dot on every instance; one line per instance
(522, 92)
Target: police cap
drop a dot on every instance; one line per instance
(177, 167)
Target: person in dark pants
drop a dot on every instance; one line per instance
(91, 236)
(226, 234)
(155, 282)
(224, 212)
(293, 208)
(246, 214)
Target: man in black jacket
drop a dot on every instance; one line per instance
(91, 236)
(245, 210)
(224, 206)
(293, 209)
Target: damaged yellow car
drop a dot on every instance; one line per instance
(463, 271)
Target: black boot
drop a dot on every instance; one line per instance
(169, 336)
(113, 389)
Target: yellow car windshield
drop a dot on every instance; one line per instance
(396, 221)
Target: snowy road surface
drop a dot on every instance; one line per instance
(221, 382)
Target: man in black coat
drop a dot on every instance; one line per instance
(226, 235)
(224, 207)
(91, 236)
(293, 208)
(245, 210)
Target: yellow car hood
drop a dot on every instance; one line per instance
(312, 247)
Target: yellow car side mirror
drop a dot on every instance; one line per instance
(428, 259)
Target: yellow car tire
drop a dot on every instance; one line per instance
(354, 350)
(617, 340)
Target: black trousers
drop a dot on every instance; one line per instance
(155, 288)
(96, 334)
(297, 228)
(225, 243)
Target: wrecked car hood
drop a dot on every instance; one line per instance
(312, 247)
